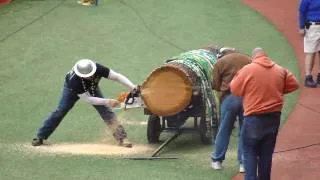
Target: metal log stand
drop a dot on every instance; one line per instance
(158, 150)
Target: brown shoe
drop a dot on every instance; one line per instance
(125, 143)
(119, 133)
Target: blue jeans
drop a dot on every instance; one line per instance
(67, 101)
(231, 108)
(259, 133)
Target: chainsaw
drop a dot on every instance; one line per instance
(132, 99)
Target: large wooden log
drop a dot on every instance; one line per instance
(168, 89)
(178, 83)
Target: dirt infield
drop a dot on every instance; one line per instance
(297, 154)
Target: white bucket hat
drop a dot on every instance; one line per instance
(85, 68)
(222, 50)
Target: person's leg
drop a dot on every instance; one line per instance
(309, 63)
(111, 121)
(228, 117)
(309, 51)
(67, 101)
(240, 143)
(317, 50)
(251, 135)
(318, 60)
(267, 144)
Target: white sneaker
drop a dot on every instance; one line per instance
(216, 165)
(241, 168)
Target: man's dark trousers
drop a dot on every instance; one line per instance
(259, 133)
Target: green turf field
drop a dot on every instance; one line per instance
(40, 40)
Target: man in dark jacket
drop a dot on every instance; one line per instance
(230, 106)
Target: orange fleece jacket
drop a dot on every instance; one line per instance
(262, 85)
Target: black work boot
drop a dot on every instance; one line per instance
(309, 82)
(37, 142)
(119, 133)
(121, 136)
(318, 78)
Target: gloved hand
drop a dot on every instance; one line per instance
(112, 103)
(123, 96)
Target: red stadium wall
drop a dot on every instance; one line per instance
(4, 1)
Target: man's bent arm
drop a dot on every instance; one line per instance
(93, 100)
(121, 79)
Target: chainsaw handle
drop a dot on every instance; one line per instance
(131, 96)
(129, 99)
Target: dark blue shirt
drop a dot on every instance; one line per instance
(81, 85)
(309, 10)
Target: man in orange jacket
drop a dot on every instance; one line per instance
(262, 85)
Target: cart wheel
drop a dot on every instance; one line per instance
(154, 129)
(206, 132)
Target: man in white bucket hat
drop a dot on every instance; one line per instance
(82, 82)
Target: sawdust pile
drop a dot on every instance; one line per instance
(91, 149)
